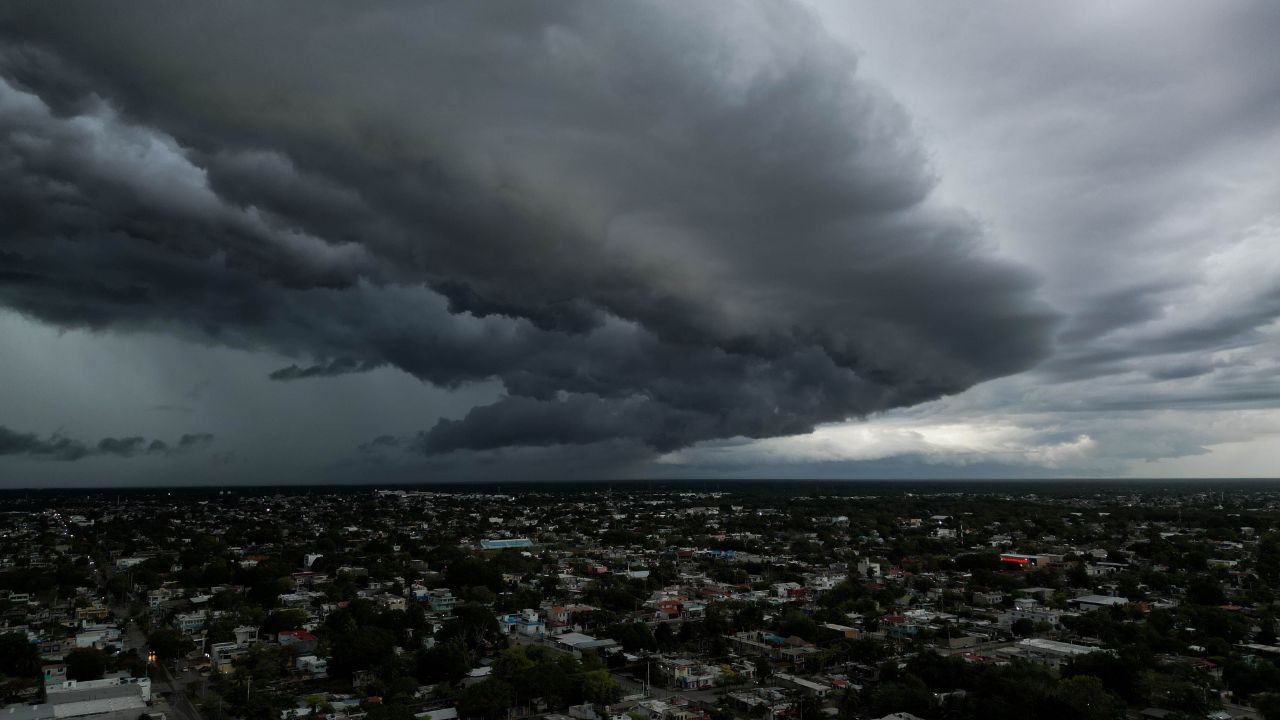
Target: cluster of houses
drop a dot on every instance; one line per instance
(686, 556)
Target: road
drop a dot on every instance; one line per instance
(631, 687)
(168, 692)
(990, 645)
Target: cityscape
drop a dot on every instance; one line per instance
(683, 602)
(639, 360)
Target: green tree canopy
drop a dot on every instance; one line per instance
(86, 664)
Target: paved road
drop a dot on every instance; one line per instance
(176, 703)
(992, 645)
(631, 687)
(1242, 712)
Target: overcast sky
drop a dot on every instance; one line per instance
(263, 242)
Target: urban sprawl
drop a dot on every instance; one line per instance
(768, 603)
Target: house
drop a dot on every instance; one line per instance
(1029, 611)
(792, 650)
(1093, 602)
(693, 611)
(189, 623)
(788, 591)
(93, 612)
(221, 655)
(391, 602)
(302, 642)
(668, 608)
(1029, 561)
(1038, 593)
(246, 635)
(987, 597)
(54, 673)
(160, 596)
(442, 600)
(686, 674)
(312, 664)
(809, 688)
(1047, 652)
(576, 643)
(526, 622)
(478, 675)
(659, 710)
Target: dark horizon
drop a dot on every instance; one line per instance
(888, 486)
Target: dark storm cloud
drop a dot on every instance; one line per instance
(381, 443)
(1131, 156)
(1112, 310)
(337, 366)
(653, 223)
(60, 447)
(194, 441)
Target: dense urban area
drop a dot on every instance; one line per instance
(777, 602)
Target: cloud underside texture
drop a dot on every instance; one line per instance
(654, 223)
(61, 447)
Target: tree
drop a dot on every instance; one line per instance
(599, 688)
(1118, 674)
(18, 657)
(664, 636)
(473, 572)
(797, 623)
(634, 636)
(118, 586)
(909, 694)
(1077, 576)
(1170, 692)
(362, 649)
(751, 617)
(1268, 705)
(86, 664)
(263, 662)
(1085, 698)
(489, 699)
(1022, 627)
(168, 644)
(315, 701)
(282, 620)
(473, 625)
(389, 712)
(444, 662)
(212, 707)
(514, 666)
(222, 630)
(1205, 590)
(764, 668)
(551, 677)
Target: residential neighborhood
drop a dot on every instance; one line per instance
(648, 604)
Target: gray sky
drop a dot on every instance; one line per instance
(314, 242)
